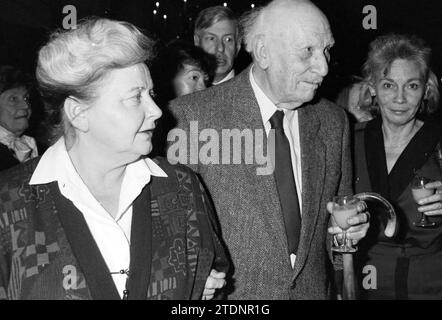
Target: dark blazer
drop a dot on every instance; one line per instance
(48, 252)
(248, 204)
(412, 250)
(7, 159)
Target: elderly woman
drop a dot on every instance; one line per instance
(94, 218)
(389, 151)
(15, 111)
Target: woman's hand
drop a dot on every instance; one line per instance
(432, 205)
(359, 224)
(216, 280)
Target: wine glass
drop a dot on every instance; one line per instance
(344, 207)
(419, 192)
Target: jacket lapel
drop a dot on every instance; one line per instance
(141, 246)
(98, 277)
(414, 156)
(313, 173)
(376, 158)
(247, 115)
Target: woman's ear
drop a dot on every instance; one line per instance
(74, 110)
(371, 89)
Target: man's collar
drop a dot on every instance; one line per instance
(229, 76)
(266, 106)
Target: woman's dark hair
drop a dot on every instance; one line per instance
(171, 60)
(12, 77)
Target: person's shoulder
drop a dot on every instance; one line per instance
(18, 175)
(360, 126)
(173, 169)
(328, 111)
(214, 95)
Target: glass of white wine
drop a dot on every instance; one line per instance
(419, 192)
(344, 207)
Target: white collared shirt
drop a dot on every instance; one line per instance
(112, 235)
(25, 150)
(229, 76)
(291, 130)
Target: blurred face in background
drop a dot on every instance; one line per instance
(189, 79)
(15, 110)
(220, 40)
(358, 102)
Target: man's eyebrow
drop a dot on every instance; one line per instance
(215, 35)
(210, 33)
(137, 88)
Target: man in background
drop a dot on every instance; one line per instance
(216, 32)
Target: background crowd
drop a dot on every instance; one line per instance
(112, 102)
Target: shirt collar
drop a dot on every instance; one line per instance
(4, 133)
(266, 106)
(55, 163)
(229, 76)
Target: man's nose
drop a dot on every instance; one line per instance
(320, 65)
(220, 46)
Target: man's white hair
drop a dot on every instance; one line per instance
(255, 22)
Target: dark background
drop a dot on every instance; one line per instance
(26, 24)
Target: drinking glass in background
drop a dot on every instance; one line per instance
(344, 207)
(419, 192)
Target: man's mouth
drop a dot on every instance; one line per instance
(220, 60)
(313, 83)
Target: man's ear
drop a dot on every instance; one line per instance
(196, 40)
(260, 51)
(427, 91)
(238, 42)
(238, 47)
(74, 110)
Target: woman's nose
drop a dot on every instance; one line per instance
(400, 96)
(23, 104)
(200, 85)
(153, 111)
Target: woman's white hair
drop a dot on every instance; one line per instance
(73, 62)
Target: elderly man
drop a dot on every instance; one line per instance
(275, 225)
(216, 32)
